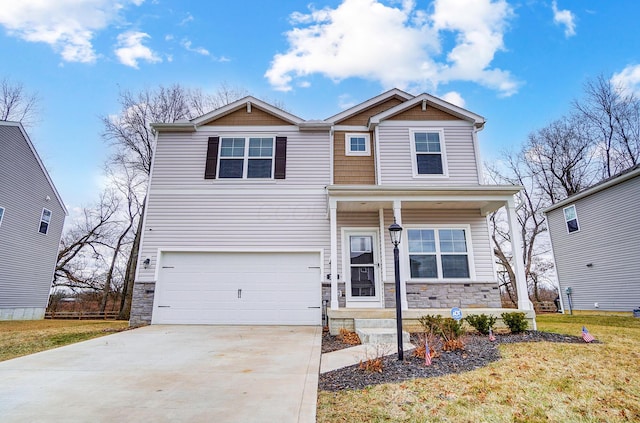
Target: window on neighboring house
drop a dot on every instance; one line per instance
(45, 220)
(1, 214)
(427, 147)
(249, 157)
(357, 145)
(438, 253)
(571, 218)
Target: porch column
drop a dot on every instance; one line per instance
(397, 214)
(333, 223)
(518, 264)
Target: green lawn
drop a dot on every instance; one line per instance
(535, 382)
(23, 337)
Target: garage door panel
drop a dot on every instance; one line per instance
(238, 288)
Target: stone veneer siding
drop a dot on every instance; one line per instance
(446, 295)
(142, 304)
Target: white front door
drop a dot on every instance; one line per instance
(362, 269)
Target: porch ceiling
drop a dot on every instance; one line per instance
(485, 198)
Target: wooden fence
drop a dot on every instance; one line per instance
(81, 315)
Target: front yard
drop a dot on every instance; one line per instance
(23, 337)
(532, 382)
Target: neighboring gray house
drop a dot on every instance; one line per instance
(31, 219)
(595, 236)
(255, 216)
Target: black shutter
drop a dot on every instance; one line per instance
(212, 158)
(281, 158)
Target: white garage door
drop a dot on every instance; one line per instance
(238, 288)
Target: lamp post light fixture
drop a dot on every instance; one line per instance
(395, 232)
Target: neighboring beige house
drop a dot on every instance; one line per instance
(595, 237)
(255, 216)
(31, 218)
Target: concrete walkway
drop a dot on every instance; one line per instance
(169, 374)
(353, 355)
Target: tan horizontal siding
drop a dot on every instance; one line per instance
(352, 170)
(362, 118)
(431, 113)
(241, 117)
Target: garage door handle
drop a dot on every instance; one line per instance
(314, 307)
(239, 293)
(164, 306)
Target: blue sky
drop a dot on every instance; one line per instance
(518, 63)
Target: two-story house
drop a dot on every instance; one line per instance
(255, 216)
(31, 219)
(596, 245)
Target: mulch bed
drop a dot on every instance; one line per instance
(478, 352)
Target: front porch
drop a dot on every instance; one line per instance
(344, 317)
(445, 255)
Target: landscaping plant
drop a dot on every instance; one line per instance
(481, 322)
(449, 329)
(515, 321)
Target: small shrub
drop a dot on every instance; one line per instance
(516, 321)
(481, 322)
(449, 329)
(452, 329)
(349, 337)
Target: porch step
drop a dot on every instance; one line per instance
(378, 331)
(381, 336)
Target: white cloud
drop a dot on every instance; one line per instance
(397, 45)
(200, 50)
(68, 26)
(186, 20)
(564, 17)
(454, 97)
(345, 101)
(628, 80)
(130, 49)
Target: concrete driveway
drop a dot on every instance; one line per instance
(169, 374)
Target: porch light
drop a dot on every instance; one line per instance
(395, 231)
(146, 263)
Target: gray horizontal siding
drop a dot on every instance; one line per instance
(187, 211)
(180, 161)
(610, 240)
(27, 257)
(396, 159)
(482, 254)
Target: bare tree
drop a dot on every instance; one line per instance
(16, 104)
(82, 247)
(613, 118)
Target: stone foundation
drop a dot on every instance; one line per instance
(446, 295)
(142, 303)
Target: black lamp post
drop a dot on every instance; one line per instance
(395, 231)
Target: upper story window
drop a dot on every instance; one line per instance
(45, 220)
(246, 157)
(438, 253)
(571, 218)
(427, 149)
(357, 145)
(1, 214)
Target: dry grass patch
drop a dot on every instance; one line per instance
(23, 337)
(533, 382)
